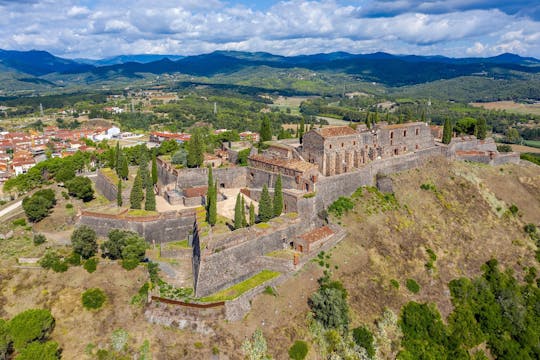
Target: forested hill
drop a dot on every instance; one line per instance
(38, 69)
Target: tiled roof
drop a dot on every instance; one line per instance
(334, 131)
(317, 234)
(195, 191)
(400, 126)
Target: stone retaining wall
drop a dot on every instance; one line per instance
(165, 227)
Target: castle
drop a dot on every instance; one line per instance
(328, 163)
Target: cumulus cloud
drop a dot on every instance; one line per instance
(104, 28)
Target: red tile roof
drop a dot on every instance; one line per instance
(195, 191)
(317, 234)
(335, 131)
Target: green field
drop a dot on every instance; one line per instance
(532, 143)
(236, 290)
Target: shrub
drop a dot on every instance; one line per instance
(30, 325)
(81, 187)
(513, 209)
(341, 206)
(65, 195)
(39, 239)
(504, 148)
(19, 222)
(37, 207)
(69, 206)
(74, 259)
(413, 286)
(299, 350)
(394, 283)
(90, 265)
(364, 338)
(42, 351)
(93, 298)
(51, 260)
(84, 243)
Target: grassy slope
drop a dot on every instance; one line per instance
(461, 225)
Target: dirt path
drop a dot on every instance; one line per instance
(10, 208)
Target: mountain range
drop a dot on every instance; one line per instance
(39, 70)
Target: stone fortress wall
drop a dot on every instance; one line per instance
(165, 227)
(346, 159)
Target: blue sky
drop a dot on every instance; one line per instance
(102, 28)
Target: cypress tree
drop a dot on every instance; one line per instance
(266, 210)
(195, 150)
(212, 208)
(136, 195)
(150, 200)
(119, 193)
(117, 155)
(244, 221)
(143, 166)
(251, 214)
(278, 197)
(266, 130)
(447, 132)
(238, 223)
(124, 170)
(154, 169)
(302, 129)
(481, 129)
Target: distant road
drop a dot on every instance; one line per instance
(10, 208)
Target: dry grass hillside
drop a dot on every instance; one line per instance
(461, 213)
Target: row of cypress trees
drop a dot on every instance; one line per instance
(268, 207)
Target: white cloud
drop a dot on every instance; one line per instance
(289, 27)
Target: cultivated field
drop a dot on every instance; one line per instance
(510, 106)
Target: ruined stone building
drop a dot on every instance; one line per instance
(341, 149)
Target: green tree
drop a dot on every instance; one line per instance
(36, 208)
(117, 156)
(329, 307)
(244, 221)
(136, 195)
(481, 128)
(65, 173)
(119, 193)
(5, 340)
(466, 125)
(81, 187)
(364, 338)
(112, 248)
(195, 149)
(212, 209)
(30, 325)
(512, 135)
(266, 210)
(298, 350)
(40, 351)
(179, 157)
(154, 169)
(150, 199)
(133, 252)
(302, 129)
(278, 197)
(251, 214)
(93, 299)
(447, 132)
(266, 130)
(238, 222)
(84, 241)
(124, 170)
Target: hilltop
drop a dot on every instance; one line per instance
(460, 211)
